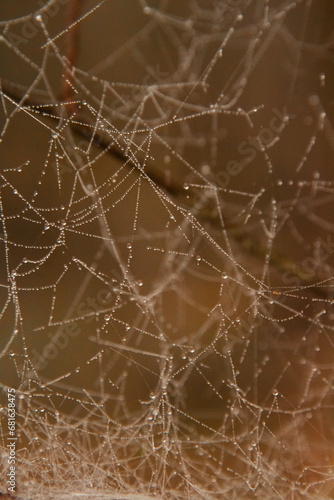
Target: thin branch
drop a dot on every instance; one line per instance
(82, 126)
(72, 44)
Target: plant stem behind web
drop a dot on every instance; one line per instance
(84, 127)
(71, 52)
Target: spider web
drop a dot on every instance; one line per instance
(166, 280)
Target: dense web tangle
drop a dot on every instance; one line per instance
(166, 248)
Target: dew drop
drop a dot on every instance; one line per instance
(205, 169)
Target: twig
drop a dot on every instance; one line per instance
(83, 127)
(71, 53)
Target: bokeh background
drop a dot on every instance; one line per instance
(167, 246)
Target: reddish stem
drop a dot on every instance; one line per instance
(71, 53)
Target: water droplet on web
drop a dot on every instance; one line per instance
(186, 186)
(205, 169)
(129, 246)
(127, 327)
(198, 258)
(106, 318)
